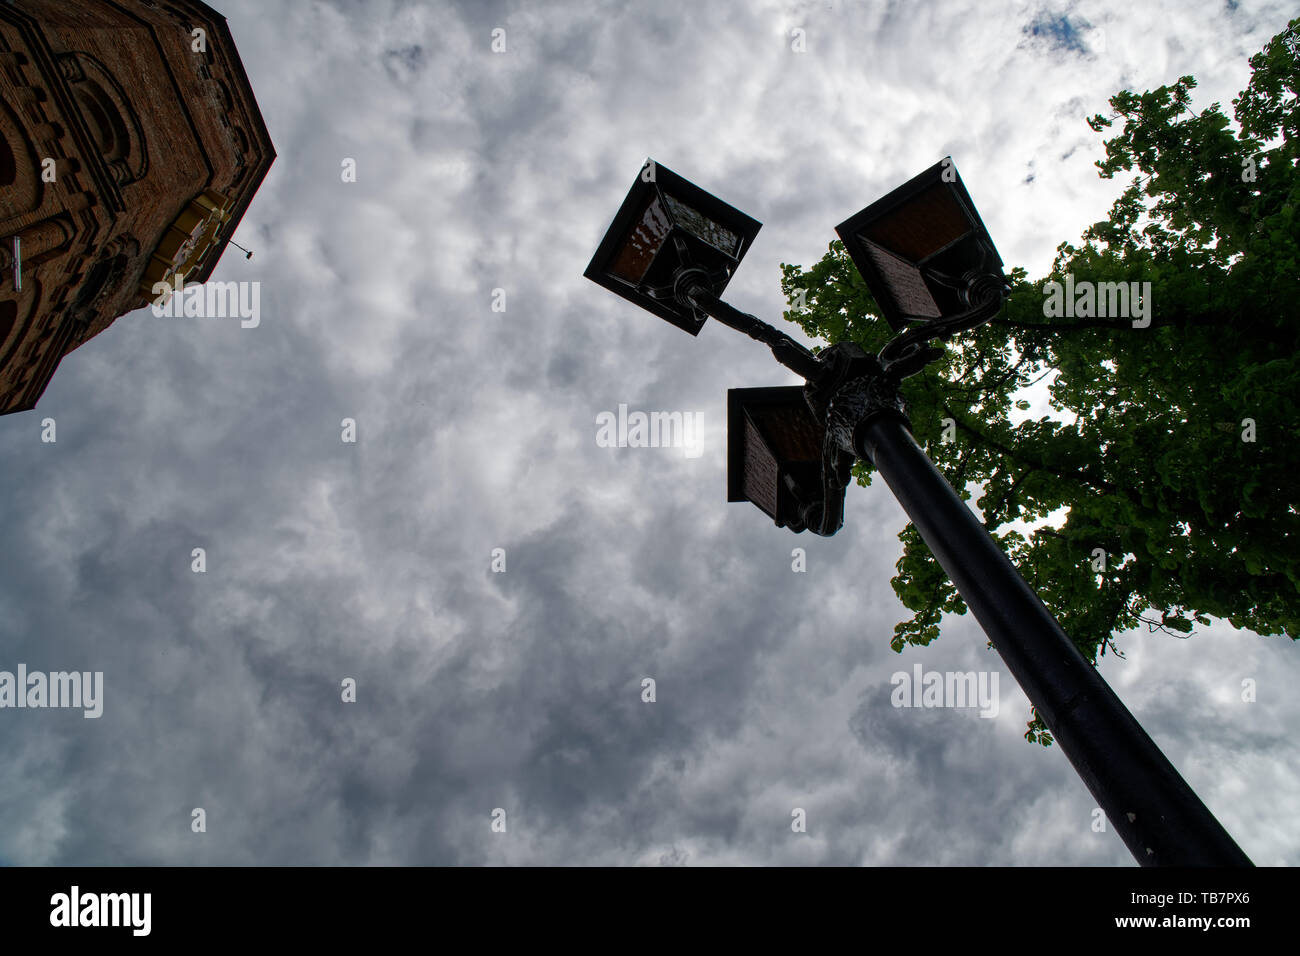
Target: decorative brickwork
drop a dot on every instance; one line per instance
(130, 146)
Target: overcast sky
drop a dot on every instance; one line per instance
(522, 690)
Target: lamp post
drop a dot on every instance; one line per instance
(933, 269)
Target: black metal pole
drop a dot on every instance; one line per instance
(1160, 818)
(786, 350)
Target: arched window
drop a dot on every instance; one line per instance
(20, 183)
(108, 115)
(8, 316)
(104, 121)
(100, 289)
(8, 165)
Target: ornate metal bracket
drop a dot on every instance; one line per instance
(908, 353)
(853, 388)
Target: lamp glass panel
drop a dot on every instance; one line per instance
(642, 241)
(922, 225)
(904, 281)
(702, 227)
(790, 430)
(761, 470)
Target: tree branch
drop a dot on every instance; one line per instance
(1098, 483)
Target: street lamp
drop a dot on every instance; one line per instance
(669, 229)
(923, 248)
(672, 249)
(933, 270)
(774, 459)
(929, 263)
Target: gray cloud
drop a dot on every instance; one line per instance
(476, 431)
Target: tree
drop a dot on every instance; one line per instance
(1169, 494)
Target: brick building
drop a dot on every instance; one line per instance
(130, 146)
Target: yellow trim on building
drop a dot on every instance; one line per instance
(186, 243)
